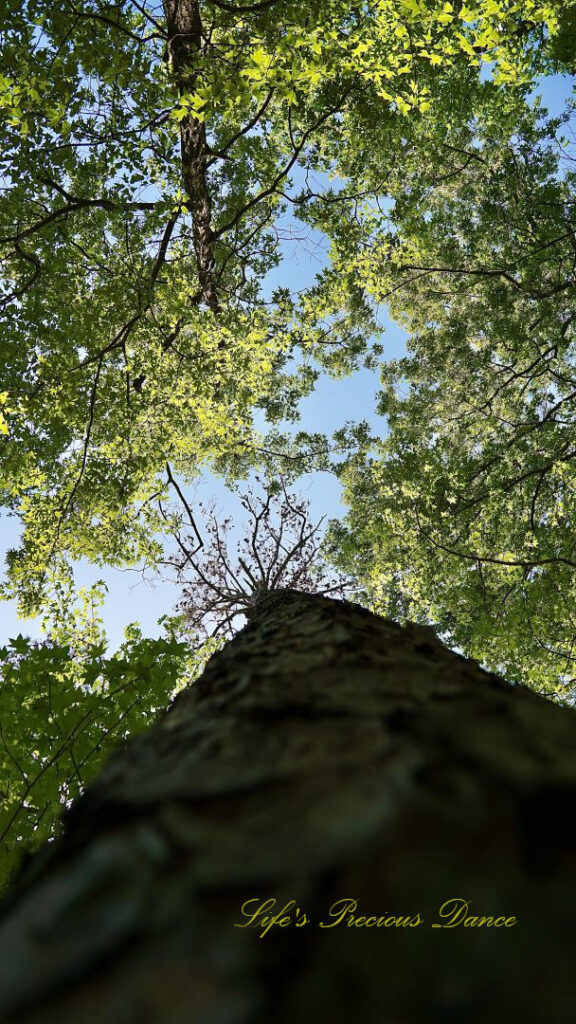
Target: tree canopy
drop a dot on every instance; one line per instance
(463, 516)
(148, 157)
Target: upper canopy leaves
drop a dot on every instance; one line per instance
(465, 514)
(146, 164)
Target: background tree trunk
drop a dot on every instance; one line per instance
(325, 754)
(184, 29)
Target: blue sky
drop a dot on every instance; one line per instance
(132, 598)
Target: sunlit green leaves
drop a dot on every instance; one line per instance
(112, 365)
(464, 514)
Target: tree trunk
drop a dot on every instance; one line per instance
(184, 33)
(325, 755)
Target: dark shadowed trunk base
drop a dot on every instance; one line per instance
(325, 755)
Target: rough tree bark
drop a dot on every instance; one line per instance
(324, 755)
(184, 29)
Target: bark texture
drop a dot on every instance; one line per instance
(325, 754)
(184, 29)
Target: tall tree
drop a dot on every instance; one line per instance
(147, 163)
(282, 844)
(146, 168)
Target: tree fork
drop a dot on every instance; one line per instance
(324, 755)
(184, 27)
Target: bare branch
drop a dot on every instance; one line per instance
(172, 480)
(279, 550)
